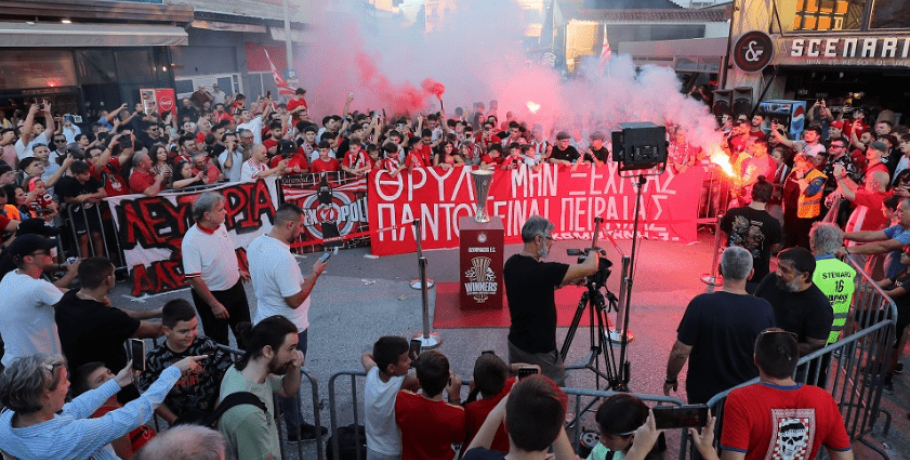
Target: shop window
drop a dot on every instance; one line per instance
(28, 68)
(821, 15)
(95, 67)
(890, 14)
(135, 66)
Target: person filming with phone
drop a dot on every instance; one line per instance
(531, 290)
(281, 289)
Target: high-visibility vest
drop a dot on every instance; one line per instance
(810, 206)
(836, 281)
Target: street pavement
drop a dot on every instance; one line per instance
(358, 299)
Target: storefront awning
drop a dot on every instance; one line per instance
(23, 35)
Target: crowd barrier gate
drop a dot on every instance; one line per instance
(852, 369)
(715, 197)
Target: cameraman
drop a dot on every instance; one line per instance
(530, 289)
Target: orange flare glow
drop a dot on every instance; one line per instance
(533, 107)
(723, 161)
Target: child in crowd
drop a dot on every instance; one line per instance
(387, 373)
(491, 382)
(92, 375)
(195, 394)
(618, 418)
(324, 163)
(44, 206)
(429, 426)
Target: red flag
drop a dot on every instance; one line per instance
(283, 86)
(605, 52)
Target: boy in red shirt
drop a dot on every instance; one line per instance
(356, 161)
(297, 163)
(429, 426)
(391, 163)
(324, 163)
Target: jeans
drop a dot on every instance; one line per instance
(293, 417)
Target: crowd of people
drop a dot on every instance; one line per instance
(841, 189)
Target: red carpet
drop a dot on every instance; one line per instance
(449, 314)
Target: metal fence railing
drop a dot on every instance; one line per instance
(852, 369)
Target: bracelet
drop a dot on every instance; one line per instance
(669, 380)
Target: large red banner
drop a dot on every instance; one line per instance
(570, 199)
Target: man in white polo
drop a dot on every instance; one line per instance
(281, 289)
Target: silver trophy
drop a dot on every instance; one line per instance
(482, 180)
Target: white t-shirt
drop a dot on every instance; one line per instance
(254, 126)
(26, 306)
(70, 132)
(210, 256)
(249, 168)
(24, 151)
(383, 434)
(275, 276)
(233, 173)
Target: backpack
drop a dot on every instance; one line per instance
(210, 420)
(351, 438)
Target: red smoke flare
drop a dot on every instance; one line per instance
(433, 87)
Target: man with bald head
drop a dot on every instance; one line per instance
(257, 166)
(142, 180)
(184, 442)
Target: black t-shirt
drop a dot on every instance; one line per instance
(569, 154)
(808, 314)
(91, 331)
(479, 453)
(69, 187)
(755, 231)
(531, 292)
(602, 154)
(721, 328)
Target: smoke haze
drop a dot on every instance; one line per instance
(477, 54)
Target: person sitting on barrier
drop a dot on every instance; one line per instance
(324, 163)
(186, 442)
(799, 305)
(271, 351)
(777, 417)
(717, 333)
(491, 381)
(83, 193)
(195, 394)
(387, 373)
(90, 376)
(618, 418)
(898, 289)
(429, 426)
(40, 425)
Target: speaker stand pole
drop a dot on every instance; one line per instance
(428, 339)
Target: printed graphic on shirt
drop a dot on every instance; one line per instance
(793, 434)
(748, 235)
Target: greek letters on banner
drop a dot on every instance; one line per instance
(570, 200)
(151, 230)
(334, 205)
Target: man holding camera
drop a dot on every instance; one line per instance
(530, 289)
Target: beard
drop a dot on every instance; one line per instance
(792, 286)
(543, 251)
(278, 368)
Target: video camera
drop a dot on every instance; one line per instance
(599, 278)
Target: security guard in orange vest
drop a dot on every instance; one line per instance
(811, 183)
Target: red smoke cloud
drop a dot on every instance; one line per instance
(433, 87)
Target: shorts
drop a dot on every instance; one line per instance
(550, 363)
(82, 217)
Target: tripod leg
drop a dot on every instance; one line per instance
(570, 335)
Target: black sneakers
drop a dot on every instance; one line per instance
(308, 432)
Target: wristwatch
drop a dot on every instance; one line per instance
(667, 379)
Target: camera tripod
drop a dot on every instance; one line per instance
(595, 302)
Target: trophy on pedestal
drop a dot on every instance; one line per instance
(482, 179)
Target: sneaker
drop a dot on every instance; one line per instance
(899, 369)
(308, 433)
(888, 388)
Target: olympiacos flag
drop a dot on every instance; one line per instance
(283, 86)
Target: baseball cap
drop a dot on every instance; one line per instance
(880, 146)
(286, 147)
(837, 124)
(563, 135)
(27, 244)
(36, 227)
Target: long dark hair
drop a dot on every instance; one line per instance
(269, 332)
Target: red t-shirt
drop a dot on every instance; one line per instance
(356, 161)
(138, 437)
(761, 420)
(4, 221)
(319, 165)
(476, 412)
(200, 137)
(294, 103)
(416, 160)
(390, 164)
(298, 159)
(140, 181)
(428, 428)
(268, 143)
(114, 184)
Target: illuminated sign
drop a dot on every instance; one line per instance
(850, 51)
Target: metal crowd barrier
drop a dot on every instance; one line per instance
(852, 369)
(236, 354)
(715, 197)
(333, 409)
(70, 222)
